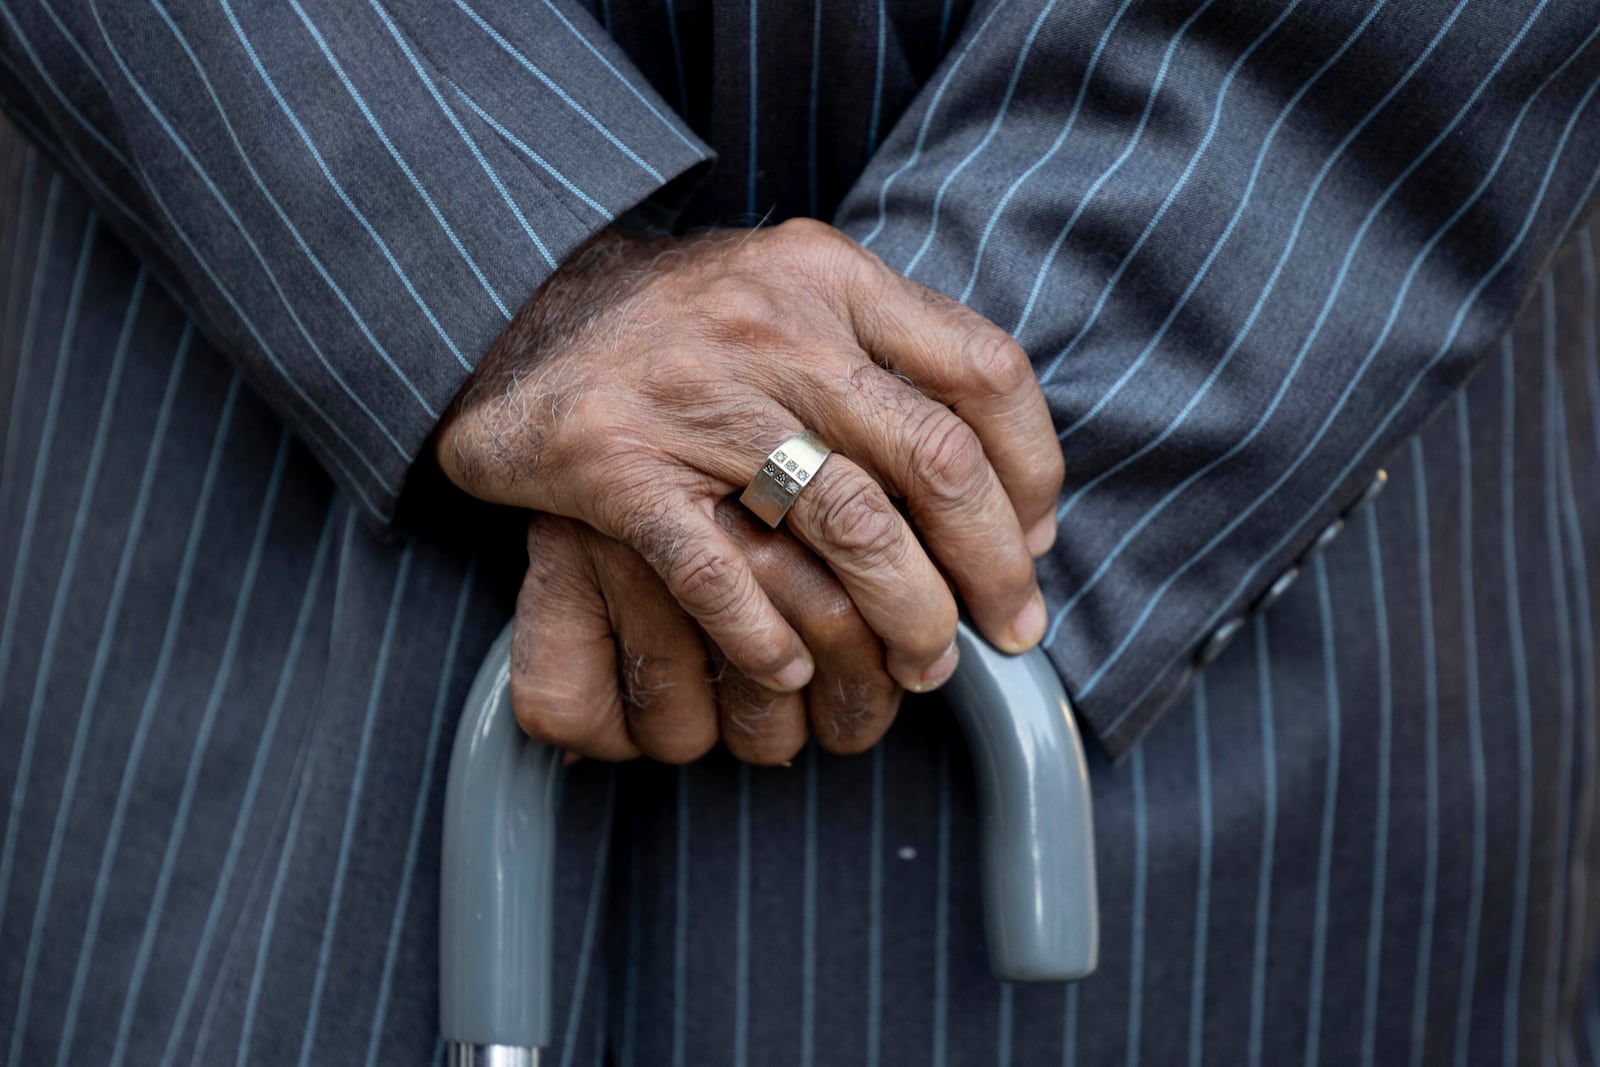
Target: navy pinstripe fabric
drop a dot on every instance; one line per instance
(1257, 250)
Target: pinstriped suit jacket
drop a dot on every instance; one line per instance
(1257, 251)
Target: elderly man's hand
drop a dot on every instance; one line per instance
(646, 383)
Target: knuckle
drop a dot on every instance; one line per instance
(707, 582)
(807, 233)
(556, 713)
(949, 457)
(681, 746)
(859, 522)
(998, 364)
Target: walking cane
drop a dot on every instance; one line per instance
(499, 848)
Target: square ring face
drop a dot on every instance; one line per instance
(786, 471)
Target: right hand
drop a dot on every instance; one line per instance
(648, 380)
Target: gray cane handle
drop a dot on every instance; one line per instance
(497, 883)
(499, 847)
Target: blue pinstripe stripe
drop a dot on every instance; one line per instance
(247, 803)
(627, 83)
(1069, 1027)
(1002, 1055)
(591, 924)
(80, 522)
(1061, 139)
(19, 571)
(19, 247)
(1430, 727)
(1466, 305)
(399, 160)
(227, 296)
(84, 171)
(1582, 591)
(1330, 807)
(680, 927)
(300, 788)
(751, 133)
(1141, 875)
(1127, 152)
(875, 913)
(808, 917)
(158, 678)
(941, 916)
(544, 79)
(538, 160)
(1204, 270)
(877, 79)
(1560, 863)
(1299, 358)
(1202, 877)
(338, 189)
(1591, 351)
(1202, 893)
(467, 139)
(1380, 830)
(813, 195)
(1269, 837)
(915, 154)
(41, 459)
(1469, 630)
(358, 782)
(419, 810)
(1018, 64)
(199, 751)
(299, 239)
(1524, 708)
(741, 947)
(52, 634)
(629, 1044)
(601, 1036)
(677, 61)
(244, 234)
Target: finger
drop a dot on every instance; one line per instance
(962, 360)
(851, 700)
(563, 660)
(711, 579)
(663, 672)
(845, 517)
(930, 457)
(759, 725)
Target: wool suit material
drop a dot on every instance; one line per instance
(1345, 745)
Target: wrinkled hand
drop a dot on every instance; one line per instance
(647, 382)
(606, 663)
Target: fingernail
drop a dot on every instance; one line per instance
(1028, 627)
(936, 675)
(794, 676)
(1042, 536)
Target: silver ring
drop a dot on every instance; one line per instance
(788, 469)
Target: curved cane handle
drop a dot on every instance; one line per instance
(499, 847)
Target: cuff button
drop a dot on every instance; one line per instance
(1370, 493)
(1325, 538)
(1219, 640)
(1276, 590)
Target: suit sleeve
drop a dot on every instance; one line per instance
(1251, 248)
(353, 196)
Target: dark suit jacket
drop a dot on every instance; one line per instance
(1254, 248)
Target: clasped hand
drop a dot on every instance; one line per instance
(640, 390)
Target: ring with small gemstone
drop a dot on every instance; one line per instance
(787, 470)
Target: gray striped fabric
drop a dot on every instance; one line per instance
(1257, 251)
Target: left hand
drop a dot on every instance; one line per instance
(605, 663)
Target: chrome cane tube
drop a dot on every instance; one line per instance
(496, 893)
